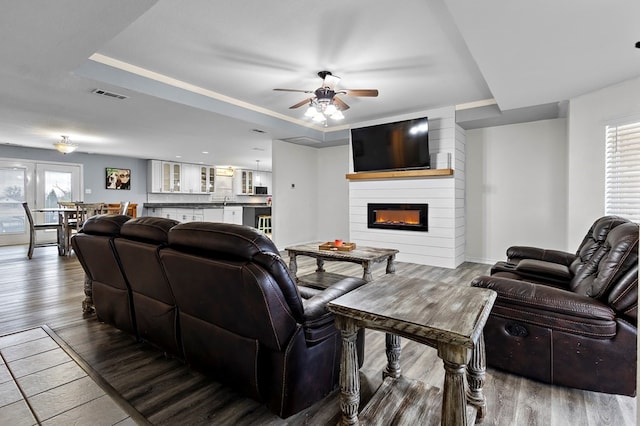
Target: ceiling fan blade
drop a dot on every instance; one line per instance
(361, 92)
(294, 90)
(299, 104)
(341, 105)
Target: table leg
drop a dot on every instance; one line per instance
(87, 303)
(393, 356)
(60, 240)
(349, 374)
(391, 266)
(476, 370)
(320, 264)
(366, 266)
(454, 401)
(293, 265)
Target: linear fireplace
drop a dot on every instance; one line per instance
(407, 217)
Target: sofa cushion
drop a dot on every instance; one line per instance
(612, 261)
(148, 229)
(104, 224)
(594, 239)
(223, 238)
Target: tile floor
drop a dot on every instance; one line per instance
(42, 384)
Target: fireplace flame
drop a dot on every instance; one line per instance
(398, 217)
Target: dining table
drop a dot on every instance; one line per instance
(69, 217)
(65, 217)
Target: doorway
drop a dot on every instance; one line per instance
(40, 184)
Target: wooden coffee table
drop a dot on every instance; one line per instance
(444, 316)
(365, 256)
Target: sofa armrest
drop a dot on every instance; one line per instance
(554, 256)
(318, 321)
(316, 306)
(308, 292)
(544, 299)
(543, 269)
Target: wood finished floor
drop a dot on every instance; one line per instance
(48, 290)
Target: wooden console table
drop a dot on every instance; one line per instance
(447, 317)
(365, 256)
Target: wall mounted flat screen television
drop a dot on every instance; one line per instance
(392, 146)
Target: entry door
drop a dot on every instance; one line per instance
(14, 180)
(54, 183)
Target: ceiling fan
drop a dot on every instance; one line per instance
(325, 102)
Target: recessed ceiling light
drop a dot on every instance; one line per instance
(205, 152)
(258, 131)
(178, 156)
(257, 149)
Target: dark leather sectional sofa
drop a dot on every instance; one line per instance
(220, 297)
(569, 319)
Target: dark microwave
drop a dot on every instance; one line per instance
(260, 190)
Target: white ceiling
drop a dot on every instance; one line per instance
(199, 74)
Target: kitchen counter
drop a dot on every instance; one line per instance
(200, 205)
(229, 212)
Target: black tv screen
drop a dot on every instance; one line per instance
(391, 146)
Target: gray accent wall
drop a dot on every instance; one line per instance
(94, 179)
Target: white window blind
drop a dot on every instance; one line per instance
(622, 190)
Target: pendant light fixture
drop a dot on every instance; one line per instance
(65, 146)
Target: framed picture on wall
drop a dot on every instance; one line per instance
(118, 178)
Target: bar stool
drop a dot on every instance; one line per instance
(264, 223)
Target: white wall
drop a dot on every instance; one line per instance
(588, 115)
(333, 193)
(516, 188)
(294, 209)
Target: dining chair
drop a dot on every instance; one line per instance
(33, 227)
(83, 212)
(124, 208)
(86, 210)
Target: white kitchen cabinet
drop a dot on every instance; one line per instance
(207, 179)
(190, 215)
(243, 182)
(163, 176)
(154, 176)
(153, 211)
(190, 178)
(265, 180)
(171, 177)
(185, 178)
(232, 214)
(213, 215)
(168, 213)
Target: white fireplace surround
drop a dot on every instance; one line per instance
(443, 244)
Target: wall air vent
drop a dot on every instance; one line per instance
(108, 94)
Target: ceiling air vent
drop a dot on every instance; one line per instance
(303, 140)
(108, 94)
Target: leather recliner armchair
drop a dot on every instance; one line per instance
(570, 322)
(556, 266)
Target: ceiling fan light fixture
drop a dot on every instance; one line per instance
(330, 109)
(338, 115)
(319, 117)
(65, 146)
(311, 111)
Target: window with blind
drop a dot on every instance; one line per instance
(622, 189)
